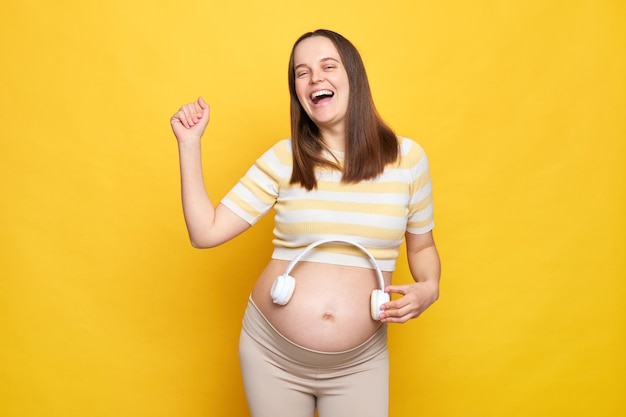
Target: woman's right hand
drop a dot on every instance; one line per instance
(190, 121)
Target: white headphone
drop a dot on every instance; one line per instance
(284, 285)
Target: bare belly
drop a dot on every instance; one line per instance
(330, 308)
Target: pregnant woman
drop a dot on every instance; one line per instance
(347, 192)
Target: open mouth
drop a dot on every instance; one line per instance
(320, 95)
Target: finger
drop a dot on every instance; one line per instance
(395, 306)
(206, 109)
(395, 289)
(392, 306)
(190, 114)
(198, 111)
(194, 109)
(180, 118)
(401, 315)
(393, 317)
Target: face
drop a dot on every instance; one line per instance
(321, 82)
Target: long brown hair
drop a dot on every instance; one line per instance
(370, 143)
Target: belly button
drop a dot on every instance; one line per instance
(328, 316)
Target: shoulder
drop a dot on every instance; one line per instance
(277, 159)
(281, 149)
(411, 152)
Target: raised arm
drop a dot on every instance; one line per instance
(207, 225)
(425, 268)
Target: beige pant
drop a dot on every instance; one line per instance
(282, 379)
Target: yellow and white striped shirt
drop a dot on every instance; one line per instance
(374, 213)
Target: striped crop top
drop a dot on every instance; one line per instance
(374, 213)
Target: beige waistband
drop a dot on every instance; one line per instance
(262, 331)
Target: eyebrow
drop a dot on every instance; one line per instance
(321, 60)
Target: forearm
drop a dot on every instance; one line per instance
(425, 267)
(198, 209)
(424, 262)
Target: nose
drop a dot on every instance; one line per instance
(316, 76)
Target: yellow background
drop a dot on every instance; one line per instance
(106, 310)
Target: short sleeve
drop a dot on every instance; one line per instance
(257, 191)
(420, 217)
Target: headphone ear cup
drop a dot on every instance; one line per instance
(282, 289)
(378, 298)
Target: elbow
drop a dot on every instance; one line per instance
(198, 245)
(201, 243)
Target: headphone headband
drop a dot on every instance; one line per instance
(306, 250)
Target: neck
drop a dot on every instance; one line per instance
(335, 139)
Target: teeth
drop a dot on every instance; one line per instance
(321, 93)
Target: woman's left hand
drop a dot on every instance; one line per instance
(425, 268)
(415, 299)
